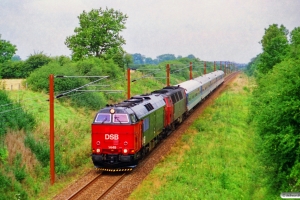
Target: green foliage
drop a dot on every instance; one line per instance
(19, 170)
(62, 60)
(166, 57)
(22, 69)
(295, 43)
(3, 155)
(39, 80)
(98, 34)
(13, 116)
(7, 50)
(9, 189)
(276, 107)
(12, 69)
(128, 60)
(139, 59)
(275, 47)
(39, 148)
(5, 187)
(98, 67)
(34, 62)
(251, 69)
(16, 58)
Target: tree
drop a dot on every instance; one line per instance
(276, 115)
(138, 59)
(12, 69)
(98, 34)
(128, 59)
(35, 61)
(149, 60)
(275, 47)
(165, 57)
(16, 58)
(295, 43)
(7, 50)
(191, 56)
(251, 68)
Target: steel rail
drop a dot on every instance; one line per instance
(75, 194)
(112, 186)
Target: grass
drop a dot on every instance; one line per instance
(216, 157)
(72, 144)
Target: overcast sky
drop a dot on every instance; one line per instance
(212, 30)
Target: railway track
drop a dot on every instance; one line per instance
(98, 187)
(231, 76)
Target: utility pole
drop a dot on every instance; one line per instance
(51, 100)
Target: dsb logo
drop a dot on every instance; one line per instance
(111, 137)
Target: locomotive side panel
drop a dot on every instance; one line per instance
(153, 124)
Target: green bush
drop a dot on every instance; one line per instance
(39, 80)
(275, 110)
(12, 69)
(11, 190)
(19, 170)
(13, 116)
(5, 187)
(42, 152)
(91, 101)
(3, 155)
(98, 67)
(40, 149)
(34, 62)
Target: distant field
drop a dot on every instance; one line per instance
(12, 84)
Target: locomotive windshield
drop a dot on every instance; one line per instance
(120, 118)
(116, 118)
(102, 118)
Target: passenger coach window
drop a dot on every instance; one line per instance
(102, 118)
(120, 118)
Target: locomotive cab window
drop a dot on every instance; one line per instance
(133, 118)
(120, 118)
(146, 124)
(102, 118)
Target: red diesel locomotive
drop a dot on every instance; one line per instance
(125, 132)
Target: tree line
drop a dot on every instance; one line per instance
(276, 105)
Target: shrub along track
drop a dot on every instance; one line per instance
(130, 181)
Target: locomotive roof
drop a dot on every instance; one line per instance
(189, 85)
(141, 105)
(195, 83)
(168, 90)
(208, 77)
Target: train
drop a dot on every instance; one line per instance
(124, 133)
